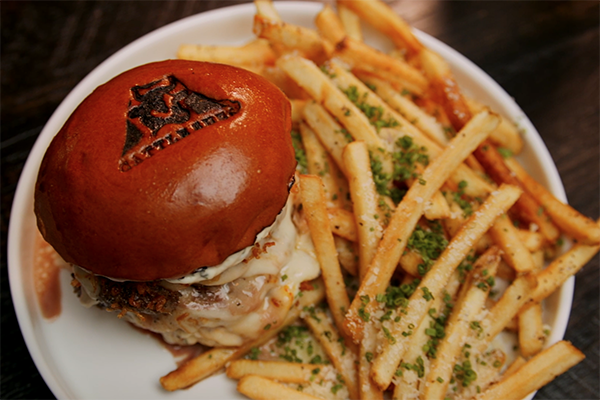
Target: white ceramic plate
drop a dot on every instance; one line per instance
(90, 354)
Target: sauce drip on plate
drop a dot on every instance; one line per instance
(46, 272)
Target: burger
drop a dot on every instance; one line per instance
(170, 191)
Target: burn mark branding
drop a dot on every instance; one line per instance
(167, 103)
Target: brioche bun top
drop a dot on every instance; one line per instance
(168, 167)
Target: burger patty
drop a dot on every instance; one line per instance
(138, 297)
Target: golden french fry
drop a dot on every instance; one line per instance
(297, 109)
(347, 254)
(255, 53)
(533, 241)
(331, 134)
(434, 281)
(561, 269)
(266, 9)
(365, 199)
(537, 372)
(408, 385)
(323, 91)
(514, 297)
(569, 220)
(448, 93)
(409, 211)
(407, 108)
(514, 367)
(531, 330)
(320, 163)
(329, 25)
(278, 370)
(515, 254)
(288, 37)
(410, 261)
(400, 126)
(368, 346)
(313, 202)
(259, 388)
(350, 22)
(341, 353)
(379, 15)
(506, 135)
(470, 302)
(361, 57)
(342, 223)
(198, 368)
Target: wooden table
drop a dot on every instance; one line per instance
(545, 54)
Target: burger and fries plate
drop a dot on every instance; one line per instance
(90, 353)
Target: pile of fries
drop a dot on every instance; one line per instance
(418, 210)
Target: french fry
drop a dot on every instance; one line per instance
(313, 201)
(514, 367)
(297, 110)
(444, 88)
(266, 9)
(342, 223)
(447, 92)
(341, 353)
(434, 281)
(366, 200)
(527, 207)
(410, 261)
(329, 25)
(470, 302)
(320, 163)
(259, 388)
(407, 108)
(331, 134)
(198, 368)
(368, 346)
(489, 366)
(409, 211)
(323, 91)
(288, 37)
(569, 220)
(533, 241)
(255, 53)
(347, 82)
(364, 58)
(408, 385)
(561, 269)
(280, 79)
(537, 372)
(506, 135)
(531, 330)
(514, 253)
(210, 362)
(346, 255)
(380, 16)
(350, 22)
(277, 370)
(513, 298)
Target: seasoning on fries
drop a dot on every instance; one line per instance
(399, 190)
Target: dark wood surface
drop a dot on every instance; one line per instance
(544, 53)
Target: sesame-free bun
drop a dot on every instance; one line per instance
(166, 168)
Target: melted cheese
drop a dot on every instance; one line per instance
(246, 295)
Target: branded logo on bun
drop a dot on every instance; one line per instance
(167, 102)
(168, 184)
